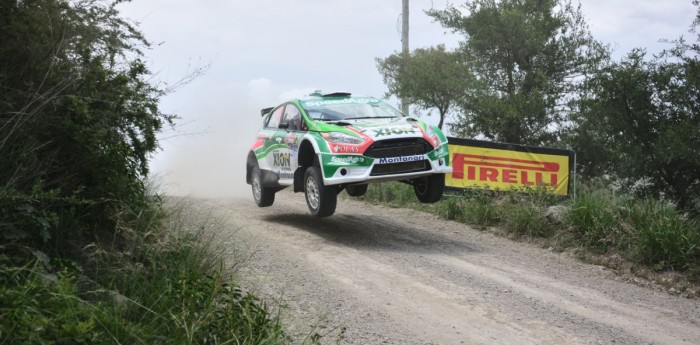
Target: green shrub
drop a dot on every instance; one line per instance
(480, 209)
(168, 285)
(662, 238)
(394, 193)
(38, 306)
(450, 208)
(526, 220)
(78, 229)
(594, 217)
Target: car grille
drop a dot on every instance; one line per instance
(398, 148)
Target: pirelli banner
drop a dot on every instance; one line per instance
(497, 166)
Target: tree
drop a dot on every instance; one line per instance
(78, 118)
(640, 120)
(531, 57)
(430, 77)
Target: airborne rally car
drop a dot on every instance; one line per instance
(326, 143)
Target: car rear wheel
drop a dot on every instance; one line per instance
(356, 190)
(263, 196)
(320, 199)
(429, 189)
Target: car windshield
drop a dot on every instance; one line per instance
(349, 109)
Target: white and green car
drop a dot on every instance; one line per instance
(326, 143)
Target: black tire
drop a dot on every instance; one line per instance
(263, 196)
(429, 189)
(320, 199)
(356, 190)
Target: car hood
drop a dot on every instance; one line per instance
(380, 129)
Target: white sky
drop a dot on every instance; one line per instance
(262, 52)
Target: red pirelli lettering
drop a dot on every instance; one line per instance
(487, 169)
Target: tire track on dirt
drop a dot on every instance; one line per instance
(373, 274)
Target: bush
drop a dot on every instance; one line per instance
(394, 193)
(451, 208)
(480, 209)
(168, 286)
(662, 238)
(78, 120)
(594, 218)
(527, 220)
(86, 253)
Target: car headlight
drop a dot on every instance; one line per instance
(337, 137)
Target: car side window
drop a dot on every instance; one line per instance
(292, 117)
(275, 118)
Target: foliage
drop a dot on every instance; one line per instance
(643, 230)
(169, 288)
(395, 193)
(595, 218)
(473, 206)
(78, 118)
(429, 77)
(86, 255)
(662, 238)
(523, 214)
(531, 56)
(641, 122)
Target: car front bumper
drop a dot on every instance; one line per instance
(349, 169)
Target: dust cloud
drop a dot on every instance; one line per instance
(205, 156)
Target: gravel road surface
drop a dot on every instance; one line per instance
(372, 274)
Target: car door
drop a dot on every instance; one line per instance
(292, 128)
(273, 157)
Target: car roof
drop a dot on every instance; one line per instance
(317, 96)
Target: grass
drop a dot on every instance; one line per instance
(167, 284)
(644, 232)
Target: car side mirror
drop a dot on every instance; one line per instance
(283, 125)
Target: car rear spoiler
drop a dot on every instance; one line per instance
(264, 111)
(318, 93)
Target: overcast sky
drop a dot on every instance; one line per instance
(262, 52)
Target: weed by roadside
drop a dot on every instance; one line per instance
(161, 284)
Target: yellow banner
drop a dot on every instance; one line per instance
(483, 167)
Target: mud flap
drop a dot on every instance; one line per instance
(270, 179)
(299, 179)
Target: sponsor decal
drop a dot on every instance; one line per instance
(511, 170)
(345, 148)
(281, 159)
(286, 174)
(439, 151)
(404, 159)
(487, 167)
(394, 131)
(348, 160)
(291, 139)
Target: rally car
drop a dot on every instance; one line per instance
(326, 143)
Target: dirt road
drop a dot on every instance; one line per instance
(378, 275)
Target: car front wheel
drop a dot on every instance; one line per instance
(429, 189)
(320, 199)
(263, 196)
